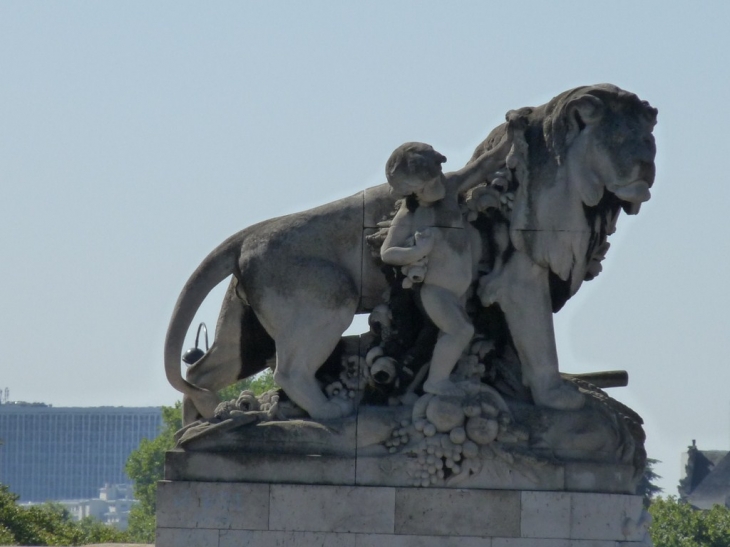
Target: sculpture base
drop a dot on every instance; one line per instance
(217, 514)
(497, 474)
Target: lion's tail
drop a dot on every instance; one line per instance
(218, 265)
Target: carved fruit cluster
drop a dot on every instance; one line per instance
(252, 408)
(351, 381)
(446, 435)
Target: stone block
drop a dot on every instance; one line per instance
(531, 542)
(383, 471)
(274, 468)
(186, 537)
(378, 540)
(375, 467)
(447, 512)
(595, 543)
(226, 505)
(332, 509)
(240, 538)
(498, 474)
(548, 542)
(393, 470)
(591, 477)
(605, 517)
(545, 514)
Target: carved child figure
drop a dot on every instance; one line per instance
(430, 225)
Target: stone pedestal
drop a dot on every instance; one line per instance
(496, 474)
(235, 514)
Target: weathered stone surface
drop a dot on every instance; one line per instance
(545, 514)
(301, 515)
(594, 516)
(443, 512)
(430, 425)
(610, 479)
(375, 425)
(238, 538)
(332, 509)
(445, 413)
(382, 469)
(273, 437)
(274, 468)
(538, 206)
(378, 205)
(227, 505)
(380, 540)
(186, 537)
(532, 542)
(521, 542)
(481, 430)
(495, 473)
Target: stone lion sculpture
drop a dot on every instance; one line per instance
(298, 280)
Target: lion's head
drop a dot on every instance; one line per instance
(602, 133)
(604, 136)
(584, 156)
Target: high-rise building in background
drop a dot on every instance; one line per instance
(50, 453)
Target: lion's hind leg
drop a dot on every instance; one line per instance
(301, 352)
(214, 371)
(306, 333)
(240, 349)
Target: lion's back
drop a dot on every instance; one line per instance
(319, 251)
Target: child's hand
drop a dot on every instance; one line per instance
(425, 239)
(480, 199)
(516, 121)
(517, 124)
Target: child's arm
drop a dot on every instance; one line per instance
(393, 253)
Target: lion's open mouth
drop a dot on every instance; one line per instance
(633, 192)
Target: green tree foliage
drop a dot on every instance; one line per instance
(49, 524)
(261, 383)
(146, 465)
(647, 486)
(677, 524)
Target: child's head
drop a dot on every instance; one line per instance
(410, 166)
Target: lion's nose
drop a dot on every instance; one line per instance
(649, 147)
(648, 171)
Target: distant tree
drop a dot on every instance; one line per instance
(146, 465)
(677, 524)
(49, 524)
(647, 486)
(261, 383)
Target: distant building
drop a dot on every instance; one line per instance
(705, 479)
(68, 453)
(111, 507)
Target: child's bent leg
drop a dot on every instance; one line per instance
(446, 311)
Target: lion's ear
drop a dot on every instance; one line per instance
(580, 112)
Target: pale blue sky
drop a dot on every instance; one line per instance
(136, 136)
